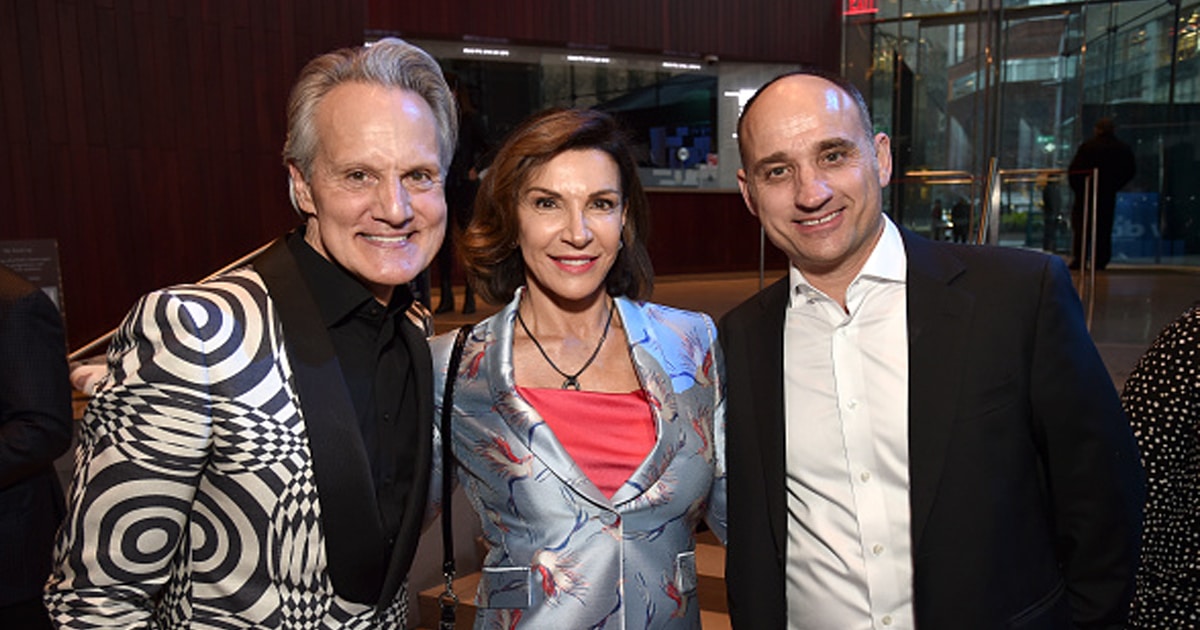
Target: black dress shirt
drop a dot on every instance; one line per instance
(377, 367)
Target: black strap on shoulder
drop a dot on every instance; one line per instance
(448, 599)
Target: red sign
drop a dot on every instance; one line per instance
(861, 7)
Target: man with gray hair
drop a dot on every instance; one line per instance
(258, 454)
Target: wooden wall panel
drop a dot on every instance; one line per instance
(145, 135)
(705, 233)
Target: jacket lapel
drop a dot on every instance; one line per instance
(766, 388)
(524, 421)
(938, 342)
(644, 346)
(353, 535)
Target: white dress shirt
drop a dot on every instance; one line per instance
(846, 402)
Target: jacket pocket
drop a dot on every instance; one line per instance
(503, 587)
(995, 396)
(1035, 613)
(685, 572)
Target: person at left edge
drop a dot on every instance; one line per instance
(258, 454)
(35, 428)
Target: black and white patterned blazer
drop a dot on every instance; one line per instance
(221, 480)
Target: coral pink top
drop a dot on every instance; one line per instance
(608, 435)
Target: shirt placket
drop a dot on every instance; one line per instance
(870, 504)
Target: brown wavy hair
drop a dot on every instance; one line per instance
(488, 247)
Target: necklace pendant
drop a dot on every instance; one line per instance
(571, 383)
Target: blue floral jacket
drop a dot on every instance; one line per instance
(561, 553)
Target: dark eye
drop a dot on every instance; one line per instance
(545, 203)
(419, 180)
(775, 172)
(833, 157)
(357, 176)
(604, 204)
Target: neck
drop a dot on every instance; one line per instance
(552, 317)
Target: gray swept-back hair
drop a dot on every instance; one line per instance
(389, 62)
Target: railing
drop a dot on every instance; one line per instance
(89, 349)
(998, 177)
(984, 227)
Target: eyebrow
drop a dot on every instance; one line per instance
(774, 158)
(822, 146)
(552, 193)
(836, 143)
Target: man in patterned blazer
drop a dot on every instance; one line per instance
(258, 454)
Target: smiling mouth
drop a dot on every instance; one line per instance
(573, 262)
(821, 221)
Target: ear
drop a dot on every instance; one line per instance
(747, 196)
(300, 191)
(883, 157)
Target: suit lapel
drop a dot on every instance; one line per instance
(938, 342)
(353, 535)
(766, 387)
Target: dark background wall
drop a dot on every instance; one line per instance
(144, 135)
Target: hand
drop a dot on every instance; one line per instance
(85, 376)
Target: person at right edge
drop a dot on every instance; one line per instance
(1161, 397)
(1115, 161)
(920, 434)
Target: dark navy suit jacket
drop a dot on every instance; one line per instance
(1025, 485)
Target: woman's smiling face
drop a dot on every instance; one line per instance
(571, 212)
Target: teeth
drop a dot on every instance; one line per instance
(387, 239)
(825, 219)
(575, 262)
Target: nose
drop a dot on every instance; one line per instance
(812, 189)
(395, 204)
(576, 231)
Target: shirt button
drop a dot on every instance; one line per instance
(877, 549)
(887, 620)
(866, 476)
(610, 519)
(852, 404)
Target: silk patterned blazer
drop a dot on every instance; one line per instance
(560, 553)
(221, 481)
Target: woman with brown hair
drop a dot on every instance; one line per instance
(587, 425)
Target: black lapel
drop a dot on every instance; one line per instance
(766, 377)
(938, 346)
(354, 543)
(414, 512)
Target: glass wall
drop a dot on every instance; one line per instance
(682, 112)
(972, 90)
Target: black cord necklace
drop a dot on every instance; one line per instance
(572, 380)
